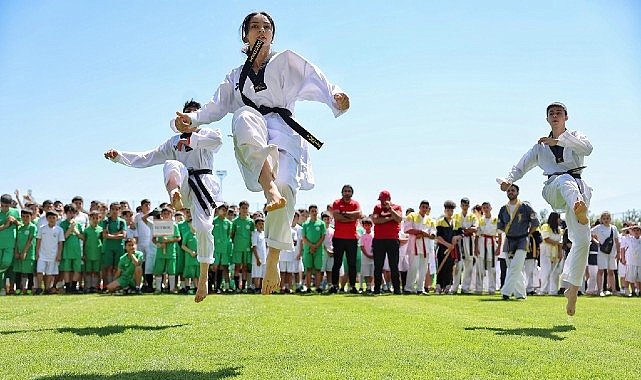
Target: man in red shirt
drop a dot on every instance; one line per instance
(387, 224)
(346, 213)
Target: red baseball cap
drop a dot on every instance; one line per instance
(384, 195)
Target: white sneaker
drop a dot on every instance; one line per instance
(601, 294)
(608, 293)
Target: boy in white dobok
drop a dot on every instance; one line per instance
(188, 160)
(420, 247)
(560, 154)
(486, 248)
(468, 224)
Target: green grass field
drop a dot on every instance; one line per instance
(317, 336)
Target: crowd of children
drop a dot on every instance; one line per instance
(54, 248)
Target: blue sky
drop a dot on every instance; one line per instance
(446, 96)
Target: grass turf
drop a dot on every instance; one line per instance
(315, 336)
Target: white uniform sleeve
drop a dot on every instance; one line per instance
(218, 106)
(527, 163)
(206, 138)
(255, 238)
(576, 141)
(153, 157)
(307, 82)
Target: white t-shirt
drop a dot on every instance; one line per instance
(144, 232)
(633, 253)
(258, 241)
(49, 239)
(602, 233)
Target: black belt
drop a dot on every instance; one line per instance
(284, 113)
(571, 172)
(200, 190)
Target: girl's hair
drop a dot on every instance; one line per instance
(244, 28)
(554, 221)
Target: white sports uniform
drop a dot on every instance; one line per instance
(419, 249)
(561, 191)
(463, 268)
(177, 164)
(288, 78)
(633, 257)
(488, 248)
(550, 261)
(258, 241)
(606, 261)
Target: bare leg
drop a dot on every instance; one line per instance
(173, 188)
(202, 283)
(271, 281)
(571, 294)
(266, 180)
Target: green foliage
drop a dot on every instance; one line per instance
(322, 337)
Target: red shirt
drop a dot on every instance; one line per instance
(387, 230)
(345, 230)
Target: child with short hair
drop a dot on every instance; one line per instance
(259, 254)
(185, 227)
(328, 250)
(24, 264)
(9, 221)
(632, 257)
(367, 259)
(92, 254)
(313, 236)
(49, 241)
(241, 232)
(129, 272)
(191, 267)
(166, 254)
(71, 264)
(131, 232)
(113, 233)
(222, 247)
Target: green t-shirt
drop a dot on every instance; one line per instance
(113, 226)
(169, 252)
(184, 228)
(24, 233)
(93, 243)
(221, 232)
(127, 266)
(8, 236)
(313, 232)
(242, 229)
(192, 243)
(72, 249)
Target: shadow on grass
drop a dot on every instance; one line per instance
(548, 333)
(222, 373)
(98, 331)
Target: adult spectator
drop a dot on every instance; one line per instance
(346, 213)
(387, 224)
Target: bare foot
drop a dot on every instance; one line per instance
(202, 291)
(571, 294)
(271, 281)
(581, 212)
(276, 204)
(176, 199)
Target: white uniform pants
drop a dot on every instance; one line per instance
(531, 275)
(515, 277)
(149, 255)
(202, 223)
(252, 148)
(418, 265)
(561, 192)
(550, 272)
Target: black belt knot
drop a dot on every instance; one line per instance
(200, 190)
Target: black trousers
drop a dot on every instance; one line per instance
(347, 247)
(503, 266)
(380, 248)
(444, 277)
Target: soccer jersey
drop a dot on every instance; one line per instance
(221, 232)
(127, 266)
(8, 235)
(313, 231)
(24, 233)
(170, 250)
(112, 227)
(72, 248)
(189, 240)
(242, 229)
(49, 239)
(93, 243)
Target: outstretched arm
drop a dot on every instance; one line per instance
(153, 157)
(525, 164)
(218, 106)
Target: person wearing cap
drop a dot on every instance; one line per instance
(387, 219)
(561, 154)
(346, 212)
(468, 224)
(9, 221)
(632, 258)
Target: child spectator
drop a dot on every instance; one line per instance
(71, 264)
(129, 272)
(166, 254)
(191, 267)
(113, 233)
(367, 259)
(259, 251)
(222, 248)
(9, 221)
(49, 241)
(313, 236)
(241, 235)
(92, 252)
(24, 264)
